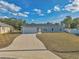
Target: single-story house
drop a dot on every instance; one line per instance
(35, 28)
(5, 28)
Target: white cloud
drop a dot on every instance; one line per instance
(4, 17)
(73, 7)
(26, 12)
(56, 8)
(39, 12)
(70, 0)
(9, 6)
(15, 14)
(3, 9)
(20, 14)
(49, 11)
(33, 20)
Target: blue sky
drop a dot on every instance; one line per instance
(39, 11)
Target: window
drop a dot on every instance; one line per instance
(45, 30)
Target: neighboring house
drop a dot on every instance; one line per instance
(35, 28)
(74, 31)
(5, 28)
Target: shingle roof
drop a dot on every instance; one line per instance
(4, 25)
(39, 25)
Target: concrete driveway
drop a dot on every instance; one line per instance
(25, 41)
(27, 46)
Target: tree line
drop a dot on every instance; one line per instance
(16, 23)
(71, 22)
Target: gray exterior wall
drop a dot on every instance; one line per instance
(43, 28)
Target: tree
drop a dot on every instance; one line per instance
(68, 21)
(16, 23)
(76, 22)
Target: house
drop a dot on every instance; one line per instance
(35, 28)
(5, 28)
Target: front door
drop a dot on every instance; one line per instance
(39, 30)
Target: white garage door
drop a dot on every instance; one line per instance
(28, 30)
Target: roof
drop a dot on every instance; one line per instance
(4, 25)
(39, 25)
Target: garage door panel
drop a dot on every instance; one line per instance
(29, 30)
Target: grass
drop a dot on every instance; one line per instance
(63, 44)
(7, 39)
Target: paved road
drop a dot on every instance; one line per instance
(27, 46)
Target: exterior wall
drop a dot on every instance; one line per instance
(52, 29)
(42, 29)
(58, 29)
(46, 29)
(5, 30)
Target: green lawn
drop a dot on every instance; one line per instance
(6, 39)
(63, 44)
